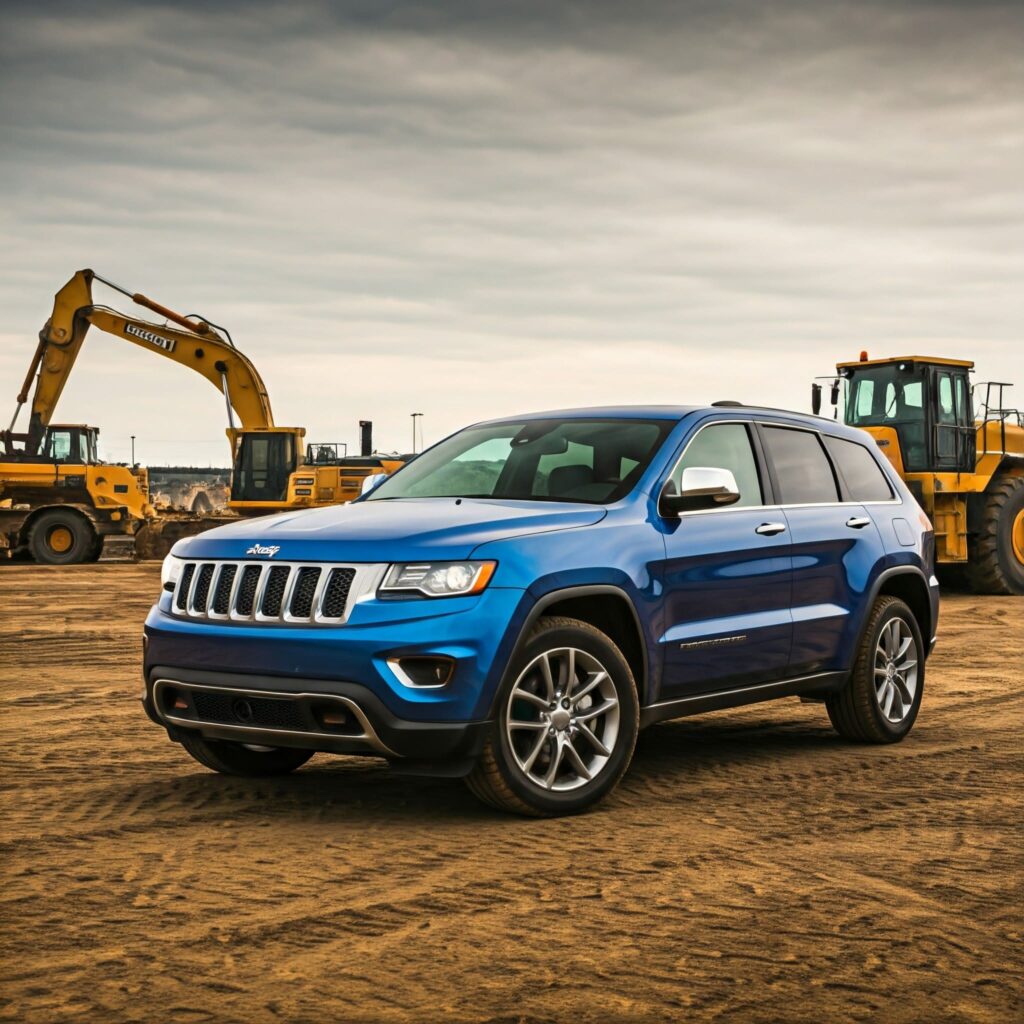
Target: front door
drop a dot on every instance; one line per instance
(726, 578)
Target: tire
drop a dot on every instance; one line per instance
(859, 711)
(514, 772)
(236, 759)
(61, 537)
(996, 564)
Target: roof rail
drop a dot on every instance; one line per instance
(730, 404)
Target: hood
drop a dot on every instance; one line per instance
(405, 530)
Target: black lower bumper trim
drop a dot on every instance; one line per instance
(384, 734)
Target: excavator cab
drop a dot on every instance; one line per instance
(919, 411)
(264, 463)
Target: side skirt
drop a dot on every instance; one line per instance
(822, 683)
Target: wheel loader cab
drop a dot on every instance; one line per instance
(927, 404)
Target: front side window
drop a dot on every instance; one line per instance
(60, 445)
(592, 461)
(862, 475)
(724, 446)
(802, 469)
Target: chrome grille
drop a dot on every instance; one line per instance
(285, 593)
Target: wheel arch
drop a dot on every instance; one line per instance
(600, 605)
(910, 585)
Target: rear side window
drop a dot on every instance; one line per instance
(863, 476)
(802, 468)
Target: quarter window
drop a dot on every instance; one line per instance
(862, 475)
(803, 471)
(946, 413)
(725, 446)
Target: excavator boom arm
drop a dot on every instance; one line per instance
(193, 343)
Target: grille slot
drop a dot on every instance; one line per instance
(336, 593)
(286, 593)
(273, 592)
(202, 591)
(184, 585)
(247, 589)
(222, 594)
(305, 590)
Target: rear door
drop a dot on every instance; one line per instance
(726, 576)
(835, 547)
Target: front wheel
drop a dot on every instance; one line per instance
(997, 542)
(242, 759)
(880, 702)
(62, 537)
(566, 723)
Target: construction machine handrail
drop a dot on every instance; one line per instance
(1002, 412)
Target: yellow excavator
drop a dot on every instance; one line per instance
(965, 467)
(59, 502)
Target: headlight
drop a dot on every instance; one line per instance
(170, 571)
(438, 579)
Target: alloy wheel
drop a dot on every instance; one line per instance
(562, 719)
(896, 670)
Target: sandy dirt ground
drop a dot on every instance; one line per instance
(751, 867)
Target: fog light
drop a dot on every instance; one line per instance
(423, 671)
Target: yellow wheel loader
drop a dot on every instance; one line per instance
(49, 479)
(965, 467)
(60, 503)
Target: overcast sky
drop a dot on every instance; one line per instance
(473, 209)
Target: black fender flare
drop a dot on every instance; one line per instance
(581, 590)
(876, 587)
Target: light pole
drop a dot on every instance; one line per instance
(414, 416)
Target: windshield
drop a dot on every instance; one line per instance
(883, 395)
(592, 461)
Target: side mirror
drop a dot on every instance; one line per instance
(372, 481)
(815, 399)
(702, 487)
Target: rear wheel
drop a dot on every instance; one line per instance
(61, 537)
(241, 759)
(880, 702)
(997, 546)
(566, 723)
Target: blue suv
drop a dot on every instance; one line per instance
(514, 605)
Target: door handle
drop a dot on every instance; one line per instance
(770, 529)
(858, 522)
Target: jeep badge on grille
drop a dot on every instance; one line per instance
(263, 549)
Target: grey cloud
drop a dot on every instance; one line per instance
(475, 207)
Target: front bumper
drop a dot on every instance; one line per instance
(312, 714)
(304, 671)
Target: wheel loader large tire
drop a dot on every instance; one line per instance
(61, 537)
(996, 564)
